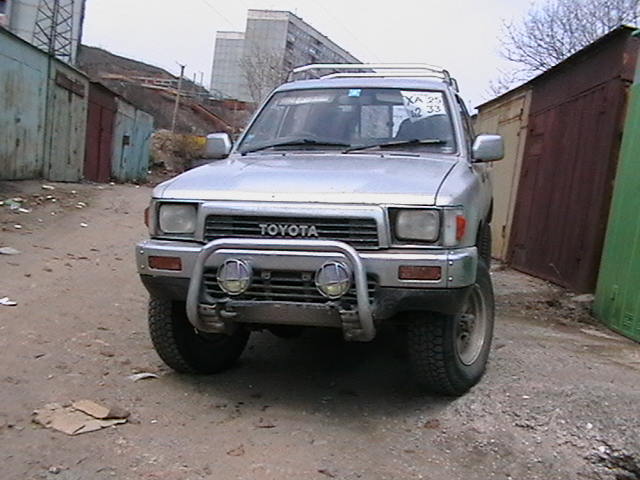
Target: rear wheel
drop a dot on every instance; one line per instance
(449, 353)
(186, 349)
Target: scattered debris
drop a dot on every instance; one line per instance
(432, 424)
(17, 226)
(9, 251)
(586, 298)
(236, 452)
(24, 210)
(326, 473)
(13, 203)
(264, 424)
(48, 187)
(81, 205)
(100, 411)
(142, 376)
(84, 225)
(74, 420)
(7, 302)
(598, 333)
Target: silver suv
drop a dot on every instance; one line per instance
(353, 200)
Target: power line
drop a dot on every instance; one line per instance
(220, 14)
(341, 24)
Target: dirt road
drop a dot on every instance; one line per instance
(561, 399)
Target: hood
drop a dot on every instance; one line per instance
(326, 178)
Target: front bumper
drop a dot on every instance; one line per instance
(458, 267)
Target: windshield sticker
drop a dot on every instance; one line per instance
(355, 92)
(420, 105)
(302, 99)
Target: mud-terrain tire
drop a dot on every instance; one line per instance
(447, 354)
(186, 350)
(484, 243)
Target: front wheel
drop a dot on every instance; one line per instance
(449, 353)
(187, 350)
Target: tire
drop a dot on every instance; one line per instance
(484, 243)
(186, 350)
(441, 360)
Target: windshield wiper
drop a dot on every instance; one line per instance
(413, 141)
(297, 142)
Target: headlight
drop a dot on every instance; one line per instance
(177, 218)
(422, 225)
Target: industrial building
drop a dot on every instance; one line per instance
(272, 44)
(54, 26)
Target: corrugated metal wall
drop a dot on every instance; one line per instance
(508, 117)
(617, 301)
(569, 163)
(43, 109)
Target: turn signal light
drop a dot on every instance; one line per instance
(165, 263)
(408, 272)
(461, 227)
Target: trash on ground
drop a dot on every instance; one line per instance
(142, 376)
(326, 473)
(9, 251)
(48, 187)
(17, 226)
(84, 225)
(262, 423)
(433, 424)
(236, 452)
(100, 411)
(7, 302)
(74, 421)
(13, 203)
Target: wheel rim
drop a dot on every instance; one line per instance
(471, 328)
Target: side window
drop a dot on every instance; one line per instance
(466, 123)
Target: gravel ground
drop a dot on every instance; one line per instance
(561, 398)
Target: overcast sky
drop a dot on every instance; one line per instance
(460, 35)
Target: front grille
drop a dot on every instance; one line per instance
(360, 233)
(283, 286)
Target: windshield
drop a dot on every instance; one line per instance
(353, 119)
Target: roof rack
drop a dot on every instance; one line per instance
(379, 70)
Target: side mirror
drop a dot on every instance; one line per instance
(488, 148)
(218, 146)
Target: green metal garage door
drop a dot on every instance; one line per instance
(617, 301)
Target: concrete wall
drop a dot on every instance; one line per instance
(509, 118)
(226, 75)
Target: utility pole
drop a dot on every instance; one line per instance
(175, 110)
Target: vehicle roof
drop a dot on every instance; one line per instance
(367, 82)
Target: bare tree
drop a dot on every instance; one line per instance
(504, 82)
(551, 32)
(262, 70)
